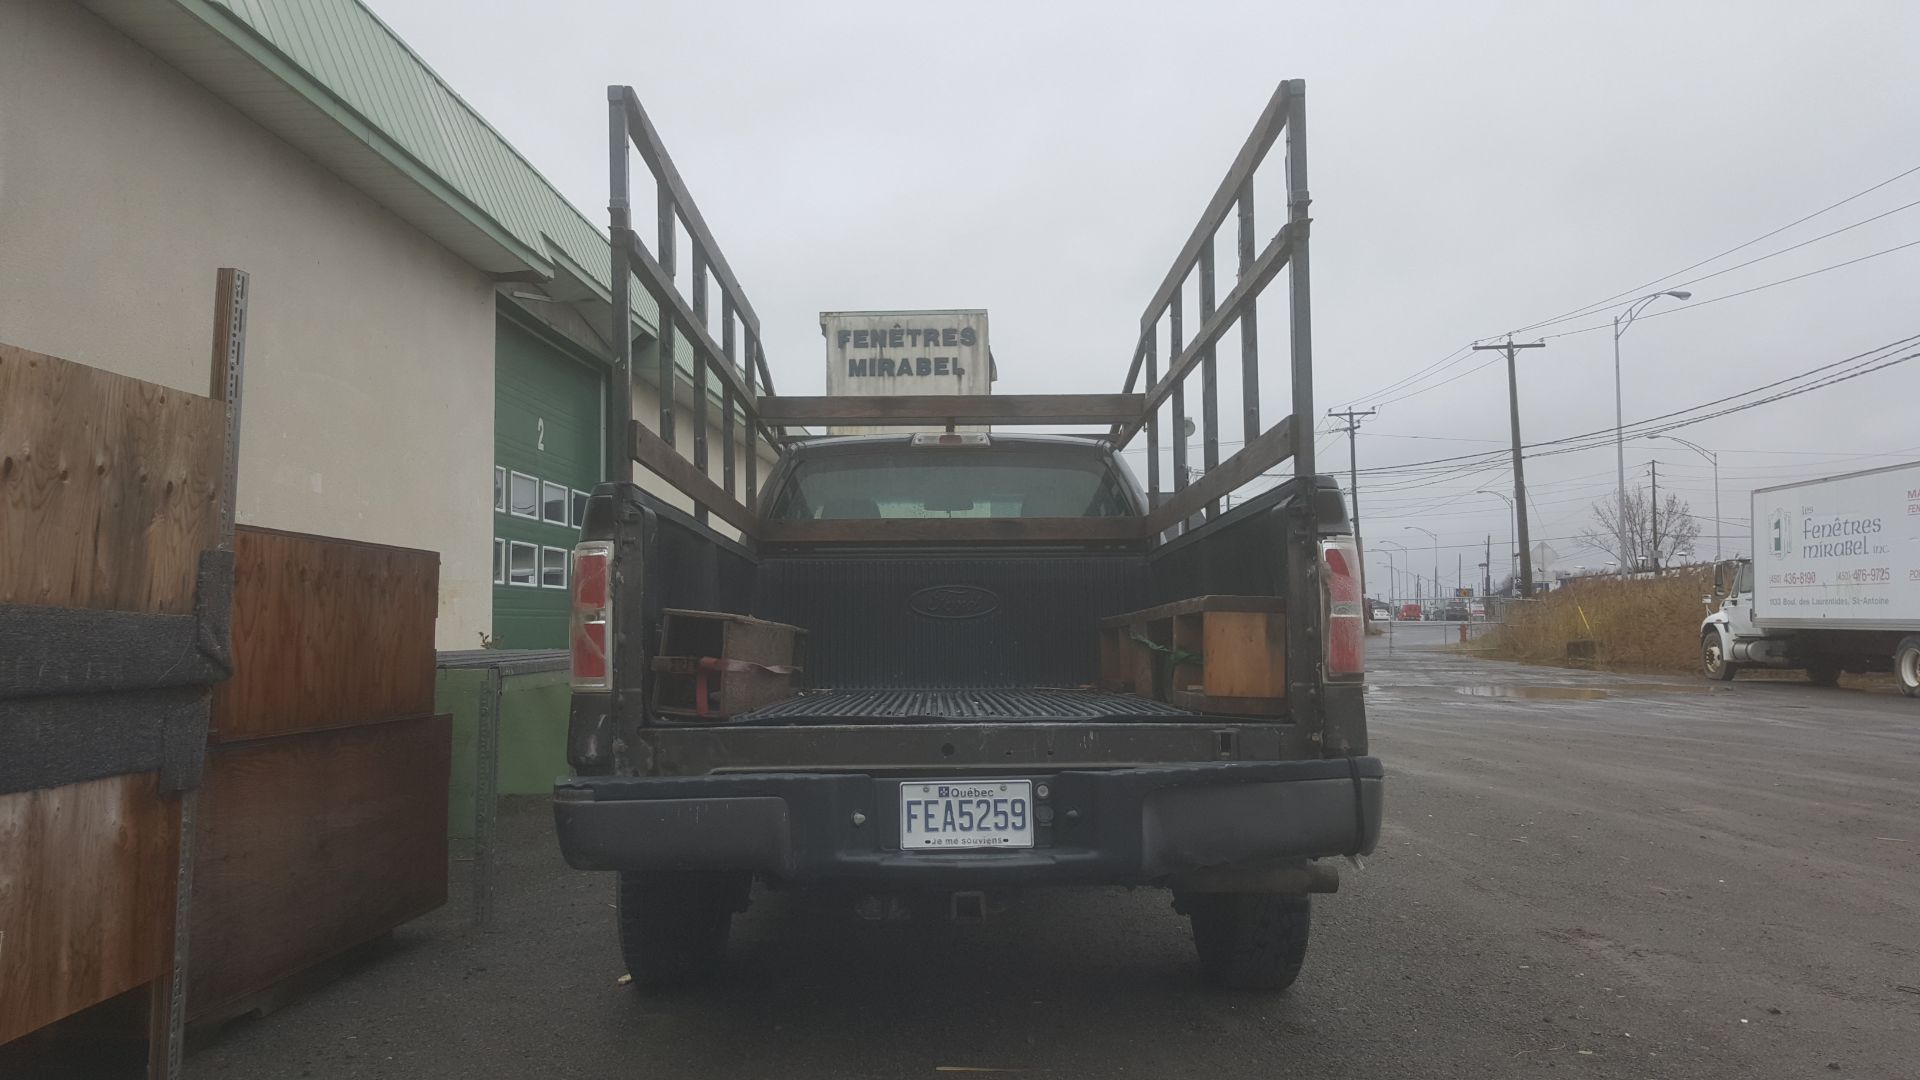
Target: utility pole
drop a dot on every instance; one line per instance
(1653, 516)
(1353, 487)
(1486, 585)
(1519, 475)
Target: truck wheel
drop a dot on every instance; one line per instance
(1248, 941)
(1906, 666)
(1718, 667)
(673, 927)
(1823, 673)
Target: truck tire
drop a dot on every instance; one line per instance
(1248, 941)
(1714, 661)
(1906, 666)
(1823, 673)
(673, 927)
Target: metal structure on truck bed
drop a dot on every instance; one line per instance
(747, 388)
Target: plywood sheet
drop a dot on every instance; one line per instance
(326, 633)
(108, 486)
(311, 844)
(86, 895)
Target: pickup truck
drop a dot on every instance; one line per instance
(809, 792)
(958, 739)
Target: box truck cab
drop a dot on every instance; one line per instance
(1834, 585)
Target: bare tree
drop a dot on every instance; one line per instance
(1636, 540)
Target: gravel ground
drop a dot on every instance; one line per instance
(1581, 875)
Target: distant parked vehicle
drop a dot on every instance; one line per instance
(1410, 612)
(1378, 611)
(1455, 611)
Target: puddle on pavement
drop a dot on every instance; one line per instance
(1579, 693)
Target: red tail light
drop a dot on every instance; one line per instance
(590, 629)
(1346, 622)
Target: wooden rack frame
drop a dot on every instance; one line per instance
(748, 387)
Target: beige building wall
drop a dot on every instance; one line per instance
(368, 409)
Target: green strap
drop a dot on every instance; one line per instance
(1170, 657)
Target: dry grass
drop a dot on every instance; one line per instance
(1643, 624)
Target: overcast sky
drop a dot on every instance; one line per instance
(1475, 168)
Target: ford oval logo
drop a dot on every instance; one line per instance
(953, 602)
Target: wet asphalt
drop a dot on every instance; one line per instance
(1581, 875)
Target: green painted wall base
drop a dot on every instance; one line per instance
(533, 737)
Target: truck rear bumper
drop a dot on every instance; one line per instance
(1112, 826)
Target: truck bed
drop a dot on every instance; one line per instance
(889, 705)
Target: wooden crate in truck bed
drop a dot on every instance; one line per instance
(1213, 654)
(715, 664)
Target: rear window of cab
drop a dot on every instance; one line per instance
(920, 482)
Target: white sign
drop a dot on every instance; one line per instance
(1843, 550)
(888, 353)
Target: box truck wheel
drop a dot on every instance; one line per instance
(1249, 941)
(673, 927)
(1713, 658)
(1906, 666)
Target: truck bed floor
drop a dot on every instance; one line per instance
(888, 704)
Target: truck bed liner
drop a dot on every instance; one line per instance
(966, 703)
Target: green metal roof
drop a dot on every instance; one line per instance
(386, 123)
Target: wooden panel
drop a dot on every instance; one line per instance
(108, 486)
(86, 895)
(311, 844)
(326, 633)
(1185, 671)
(1245, 654)
(955, 530)
(1271, 448)
(664, 461)
(956, 408)
(1209, 602)
(1150, 657)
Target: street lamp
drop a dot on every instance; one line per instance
(1403, 551)
(1508, 499)
(1714, 459)
(1436, 557)
(1393, 577)
(1620, 324)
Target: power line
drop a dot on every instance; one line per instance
(1576, 312)
(1639, 426)
(1742, 292)
(1458, 355)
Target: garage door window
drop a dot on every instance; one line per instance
(523, 495)
(553, 568)
(520, 563)
(499, 561)
(579, 509)
(553, 503)
(499, 490)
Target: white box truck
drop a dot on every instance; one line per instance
(1833, 585)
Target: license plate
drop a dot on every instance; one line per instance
(966, 814)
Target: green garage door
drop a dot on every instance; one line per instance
(546, 438)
